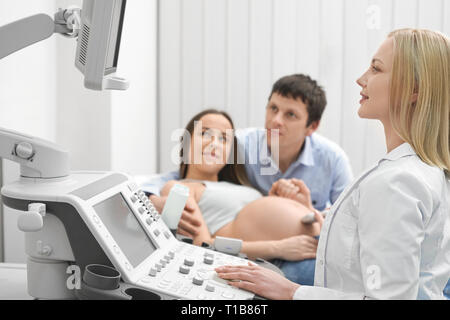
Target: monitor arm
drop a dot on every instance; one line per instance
(28, 31)
(38, 158)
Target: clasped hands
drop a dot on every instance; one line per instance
(293, 189)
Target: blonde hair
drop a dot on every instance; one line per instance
(422, 67)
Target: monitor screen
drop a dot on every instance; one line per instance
(115, 36)
(99, 44)
(120, 221)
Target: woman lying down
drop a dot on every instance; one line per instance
(270, 227)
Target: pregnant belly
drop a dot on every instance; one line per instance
(270, 218)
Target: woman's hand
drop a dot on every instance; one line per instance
(189, 224)
(297, 248)
(319, 218)
(158, 202)
(261, 281)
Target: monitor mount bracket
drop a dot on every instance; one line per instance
(23, 33)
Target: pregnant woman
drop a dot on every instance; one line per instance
(270, 227)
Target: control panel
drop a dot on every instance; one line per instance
(148, 255)
(187, 272)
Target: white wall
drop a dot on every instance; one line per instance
(27, 102)
(133, 113)
(83, 117)
(41, 93)
(112, 130)
(228, 53)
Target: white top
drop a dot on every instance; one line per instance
(222, 201)
(387, 236)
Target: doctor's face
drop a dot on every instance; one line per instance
(375, 84)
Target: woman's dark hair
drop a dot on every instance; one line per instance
(232, 172)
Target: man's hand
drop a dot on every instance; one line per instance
(261, 281)
(293, 189)
(284, 188)
(297, 248)
(189, 224)
(303, 195)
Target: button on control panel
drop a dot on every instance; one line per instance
(188, 272)
(149, 217)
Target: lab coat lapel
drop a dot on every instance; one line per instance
(320, 274)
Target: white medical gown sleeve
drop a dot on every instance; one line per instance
(394, 207)
(342, 176)
(318, 293)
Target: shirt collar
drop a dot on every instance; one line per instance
(306, 157)
(264, 157)
(401, 151)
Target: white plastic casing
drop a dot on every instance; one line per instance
(163, 271)
(99, 43)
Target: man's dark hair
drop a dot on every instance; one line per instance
(302, 86)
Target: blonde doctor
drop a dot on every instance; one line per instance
(387, 236)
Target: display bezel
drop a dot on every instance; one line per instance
(118, 200)
(108, 243)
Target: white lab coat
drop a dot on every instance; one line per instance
(387, 236)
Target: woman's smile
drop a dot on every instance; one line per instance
(364, 98)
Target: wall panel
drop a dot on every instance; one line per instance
(228, 53)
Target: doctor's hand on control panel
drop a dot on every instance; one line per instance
(261, 281)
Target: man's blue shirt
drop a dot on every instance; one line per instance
(322, 165)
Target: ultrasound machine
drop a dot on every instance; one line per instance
(96, 235)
